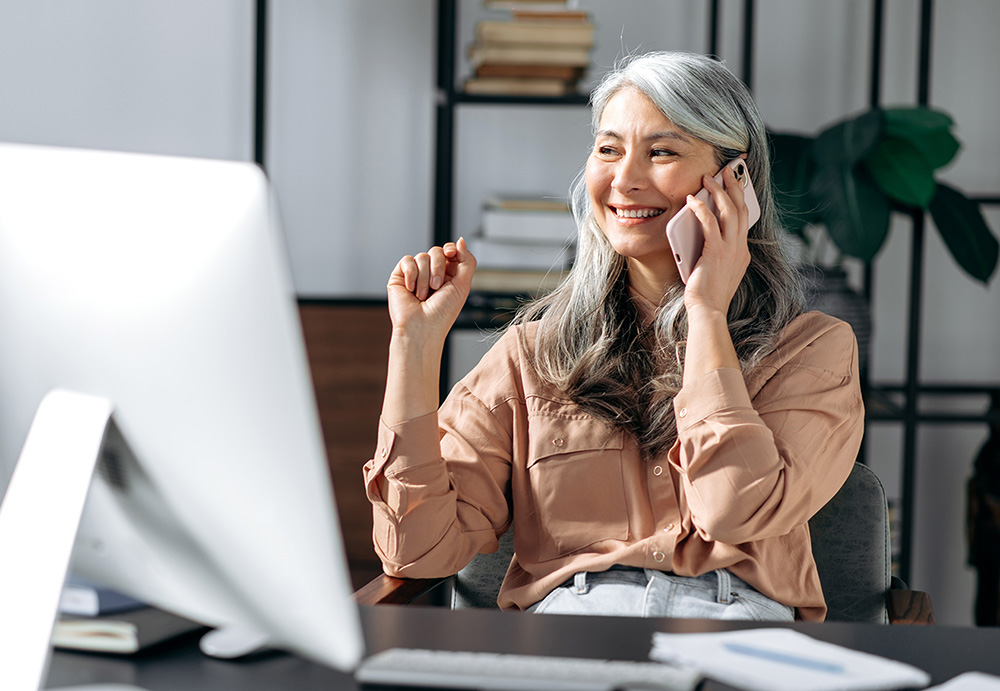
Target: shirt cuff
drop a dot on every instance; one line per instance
(407, 444)
(713, 392)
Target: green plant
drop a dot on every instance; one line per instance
(853, 174)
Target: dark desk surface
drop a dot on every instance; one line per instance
(942, 651)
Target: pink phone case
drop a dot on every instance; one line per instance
(684, 229)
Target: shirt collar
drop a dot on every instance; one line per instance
(647, 308)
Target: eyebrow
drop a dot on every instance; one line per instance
(666, 134)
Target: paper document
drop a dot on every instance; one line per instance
(970, 681)
(782, 659)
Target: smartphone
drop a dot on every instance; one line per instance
(684, 230)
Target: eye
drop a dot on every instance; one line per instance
(605, 150)
(663, 152)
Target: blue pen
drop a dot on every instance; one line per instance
(786, 658)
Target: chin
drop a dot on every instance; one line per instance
(641, 248)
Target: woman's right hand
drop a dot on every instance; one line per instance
(427, 291)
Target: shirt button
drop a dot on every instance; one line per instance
(558, 441)
(658, 471)
(383, 453)
(682, 412)
(659, 556)
(670, 526)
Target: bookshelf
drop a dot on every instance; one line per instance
(485, 309)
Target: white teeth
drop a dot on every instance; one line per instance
(637, 213)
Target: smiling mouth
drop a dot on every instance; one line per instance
(636, 213)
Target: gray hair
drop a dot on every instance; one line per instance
(591, 341)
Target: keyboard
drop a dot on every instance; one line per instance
(450, 669)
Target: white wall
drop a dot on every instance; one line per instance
(129, 75)
(351, 141)
(351, 136)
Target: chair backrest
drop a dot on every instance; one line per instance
(850, 541)
(478, 584)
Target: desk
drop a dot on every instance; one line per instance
(942, 651)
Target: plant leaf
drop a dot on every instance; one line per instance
(899, 120)
(928, 130)
(790, 169)
(849, 141)
(965, 233)
(902, 172)
(856, 213)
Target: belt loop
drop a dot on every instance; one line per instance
(580, 586)
(725, 594)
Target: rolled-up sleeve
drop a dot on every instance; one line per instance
(758, 468)
(439, 493)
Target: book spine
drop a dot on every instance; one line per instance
(544, 34)
(499, 255)
(92, 601)
(529, 226)
(522, 86)
(528, 55)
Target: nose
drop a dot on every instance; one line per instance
(630, 174)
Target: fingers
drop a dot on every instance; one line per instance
(405, 274)
(709, 223)
(429, 271)
(729, 201)
(464, 263)
(420, 274)
(726, 227)
(735, 193)
(423, 277)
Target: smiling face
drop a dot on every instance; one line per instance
(638, 176)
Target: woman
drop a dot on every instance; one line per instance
(659, 447)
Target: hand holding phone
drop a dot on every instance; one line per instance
(684, 230)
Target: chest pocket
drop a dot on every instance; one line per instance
(575, 473)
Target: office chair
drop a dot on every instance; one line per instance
(850, 539)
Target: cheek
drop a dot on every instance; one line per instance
(676, 189)
(595, 178)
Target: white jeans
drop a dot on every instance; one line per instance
(623, 591)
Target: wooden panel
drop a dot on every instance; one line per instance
(348, 347)
(910, 607)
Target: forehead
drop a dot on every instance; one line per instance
(630, 111)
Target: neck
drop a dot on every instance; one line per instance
(652, 281)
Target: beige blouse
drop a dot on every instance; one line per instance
(754, 460)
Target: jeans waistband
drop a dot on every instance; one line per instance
(616, 570)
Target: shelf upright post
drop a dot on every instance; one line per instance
(713, 29)
(875, 84)
(444, 156)
(874, 100)
(260, 82)
(912, 387)
(748, 34)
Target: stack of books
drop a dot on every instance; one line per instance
(542, 49)
(526, 245)
(96, 618)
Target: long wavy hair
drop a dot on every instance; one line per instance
(591, 341)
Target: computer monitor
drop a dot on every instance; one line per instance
(152, 295)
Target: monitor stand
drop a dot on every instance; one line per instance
(39, 520)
